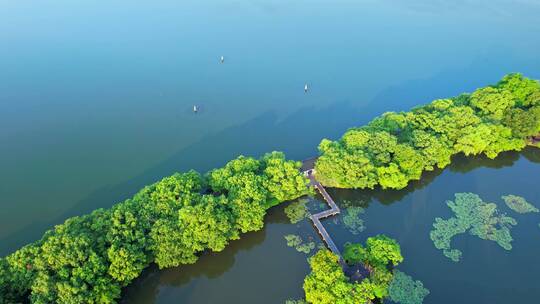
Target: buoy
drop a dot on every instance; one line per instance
(222, 59)
(306, 88)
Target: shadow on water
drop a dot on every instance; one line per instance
(257, 136)
(267, 132)
(460, 164)
(481, 71)
(210, 265)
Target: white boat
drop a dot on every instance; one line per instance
(195, 108)
(222, 59)
(306, 88)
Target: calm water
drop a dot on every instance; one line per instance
(95, 101)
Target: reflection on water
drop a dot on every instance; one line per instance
(209, 267)
(460, 164)
(406, 215)
(479, 277)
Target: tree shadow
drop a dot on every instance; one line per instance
(145, 288)
(483, 70)
(264, 133)
(460, 164)
(267, 132)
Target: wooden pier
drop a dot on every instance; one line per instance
(356, 272)
(316, 218)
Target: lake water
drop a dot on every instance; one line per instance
(96, 99)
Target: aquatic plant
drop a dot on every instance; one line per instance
(293, 240)
(396, 148)
(297, 211)
(479, 218)
(292, 301)
(518, 204)
(297, 243)
(306, 247)
(405, 290)
(352, 221)
(346, 203)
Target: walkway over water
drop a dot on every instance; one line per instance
(316, 218)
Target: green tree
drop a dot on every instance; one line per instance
(383, 251)
(282, 178)
(492, 102)
(396, 148)
(391, 177)
(522, 123)
(88, 259)
(524, 90)
(327, 284)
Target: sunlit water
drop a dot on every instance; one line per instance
(96, 101)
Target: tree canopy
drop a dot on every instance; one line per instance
(88, 259)
(396, 148)
(327, 282)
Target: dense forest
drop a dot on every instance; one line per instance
(328, 284)
(396, 148)
(88, 259)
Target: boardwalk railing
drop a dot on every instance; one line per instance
(316, 218)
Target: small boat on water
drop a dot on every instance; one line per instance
(195, 109)
(306, 88)
(222, 59)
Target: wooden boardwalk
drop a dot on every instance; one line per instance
(316, 218)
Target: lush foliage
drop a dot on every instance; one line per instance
(297, 211)
(379, 252)
(396, 148)
(88, 259)
(327, 282)
(519, 204)
(405, 290)
(476, 216)
(352, 220)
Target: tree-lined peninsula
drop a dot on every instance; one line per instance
(396, 148)
(89, 258)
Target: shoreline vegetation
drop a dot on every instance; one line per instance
(89, 258)
(396, 148)
(328, 284)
